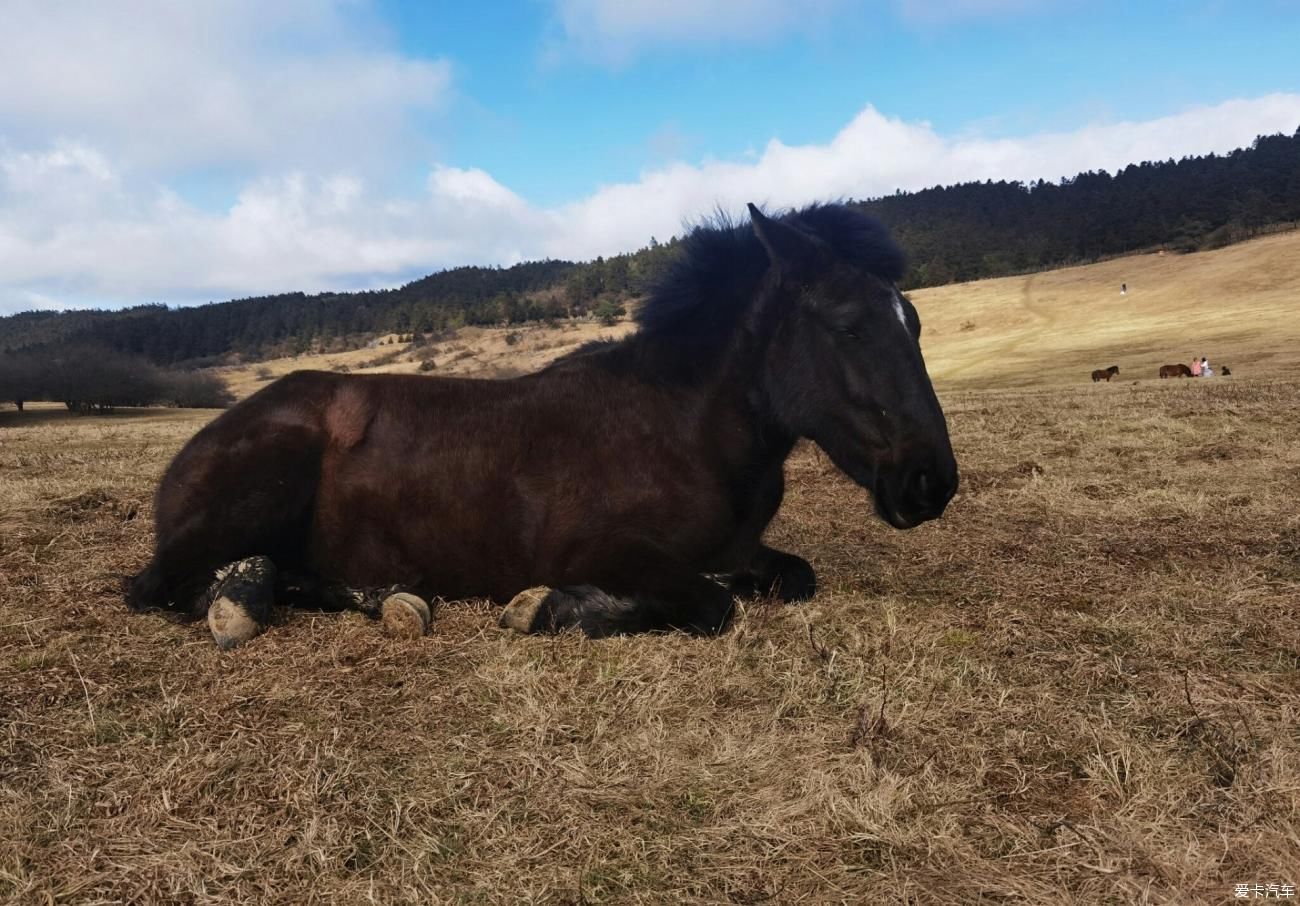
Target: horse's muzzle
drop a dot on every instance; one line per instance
(909, 495)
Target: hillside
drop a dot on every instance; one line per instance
(1238, 305)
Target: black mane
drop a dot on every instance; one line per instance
(694, 309)
(706, 290)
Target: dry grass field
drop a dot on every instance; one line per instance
(1081, 686)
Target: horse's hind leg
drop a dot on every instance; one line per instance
(403, 614)
(309, 591)
(239, 601)
(224, 500)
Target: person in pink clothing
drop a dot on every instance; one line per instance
(1196, 367)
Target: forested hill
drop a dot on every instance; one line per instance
(294, 322)
(956, 233)
(977, 230)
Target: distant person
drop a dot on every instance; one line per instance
(1196, 367)
(1123, 289)
(1206, 370)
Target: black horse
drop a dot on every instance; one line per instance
(632, 479)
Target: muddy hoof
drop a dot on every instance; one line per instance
(521, 613)
(406, 616)
(241, 603)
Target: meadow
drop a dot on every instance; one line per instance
(1082, 685)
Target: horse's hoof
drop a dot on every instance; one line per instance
(521, 613)
(241, 606)
(231, 624)
(406, 616)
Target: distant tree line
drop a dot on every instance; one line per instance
(294, 323)
(990, 229)
(94, 379)
(955, 233)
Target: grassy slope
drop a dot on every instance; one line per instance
(1239, 305)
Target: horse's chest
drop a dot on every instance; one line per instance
(752, 506)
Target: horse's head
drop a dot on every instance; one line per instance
(843, 362)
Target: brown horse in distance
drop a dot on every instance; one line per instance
(1105, 374)
(625, 488)
(1179, 370)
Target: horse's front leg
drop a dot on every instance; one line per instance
(666, 597)
(774, 573)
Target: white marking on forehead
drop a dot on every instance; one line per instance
(898, 310)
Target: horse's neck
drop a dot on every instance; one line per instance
(724, 392)
(741, 409)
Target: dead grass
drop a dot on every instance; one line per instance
(1081, 686)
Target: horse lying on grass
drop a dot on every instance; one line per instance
(1179, 370)
(624, 488)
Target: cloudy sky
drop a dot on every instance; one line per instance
(181, 152)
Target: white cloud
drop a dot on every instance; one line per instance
(71, 232)
(164, 86)
(874, 155)
(111, 112)
(73, 228)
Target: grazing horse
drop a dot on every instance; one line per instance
(1179, 370)
(1105, 374)
(623, 488)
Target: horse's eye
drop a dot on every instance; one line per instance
(848, 333)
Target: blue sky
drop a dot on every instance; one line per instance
(547, 126)
(154, 151)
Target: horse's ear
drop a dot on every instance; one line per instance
(788, 248)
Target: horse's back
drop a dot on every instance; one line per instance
(297, 400)
(337, 410)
